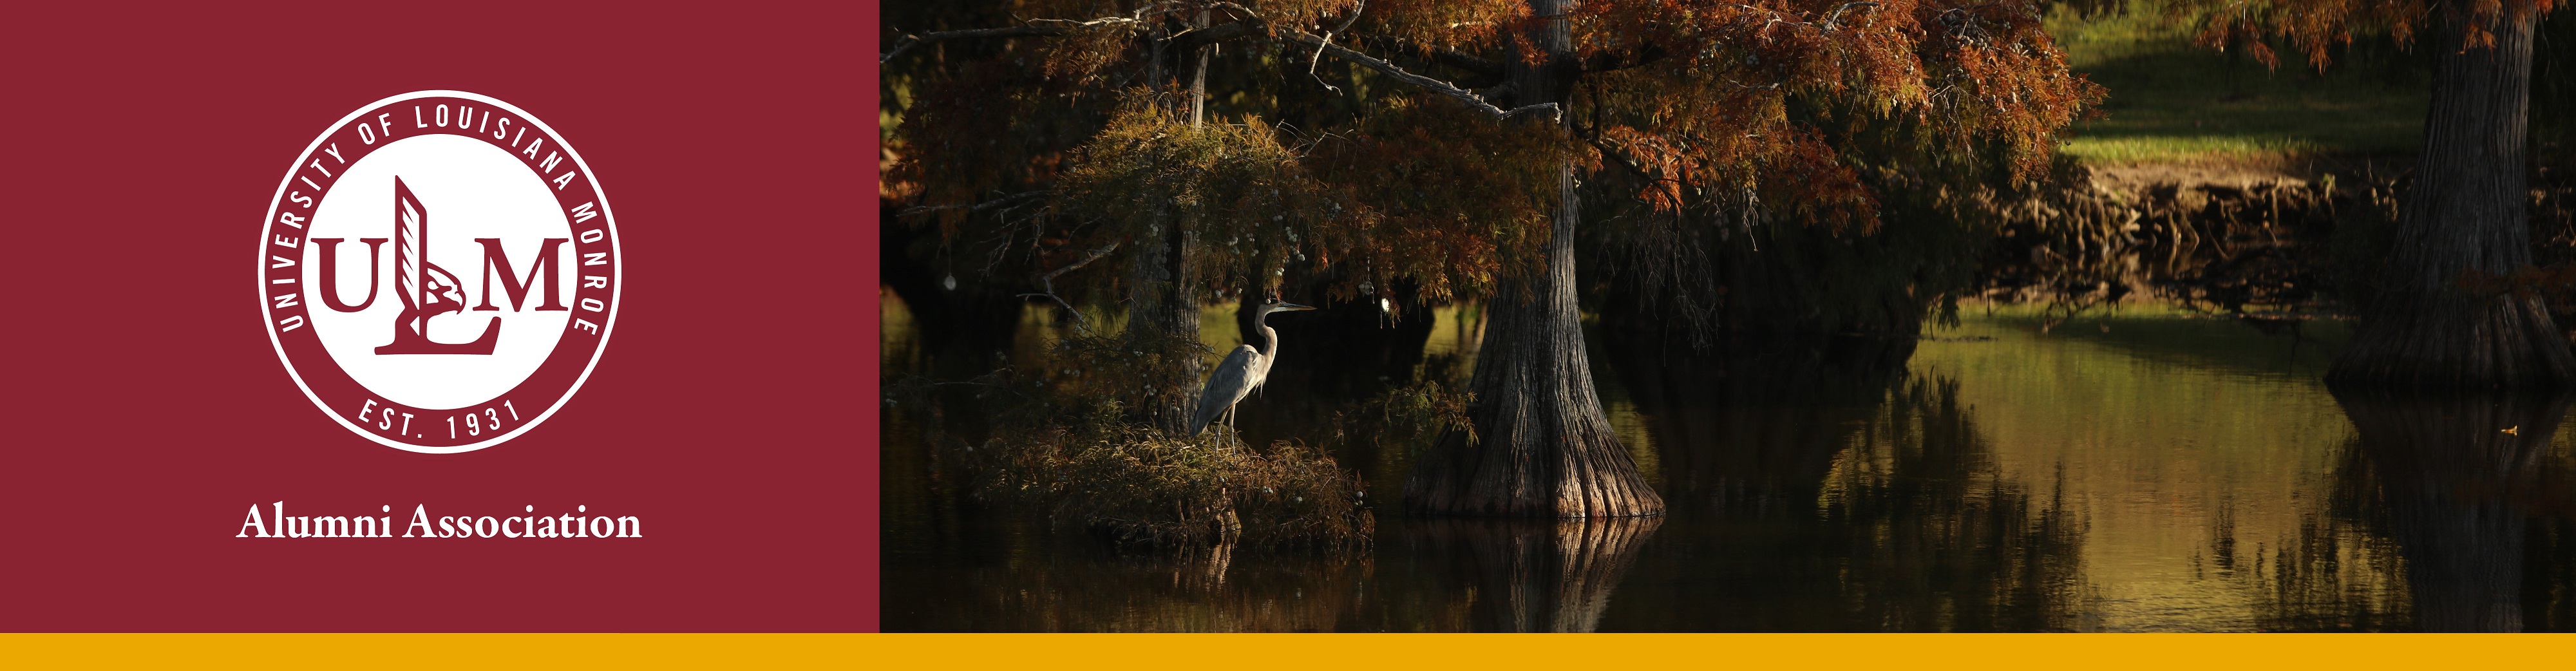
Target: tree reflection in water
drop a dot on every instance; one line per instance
(1492, 574)
(1025, 578)
(2097, 483)
(2549, 583)
(2458, 479)
(1824, 489)
(1810, 494)
(2339, 572)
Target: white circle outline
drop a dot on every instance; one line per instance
(606, 327)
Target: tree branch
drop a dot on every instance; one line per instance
(1046, 280)
(1436, 86)
(910, 41)
(1189, 39)
(1248, 26)
(1201, 37)
(970, 209)
(1831, 22)
(1625, 161)
(1472, 63)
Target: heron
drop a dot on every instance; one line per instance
(1242, 371)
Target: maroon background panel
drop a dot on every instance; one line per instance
(145, 411)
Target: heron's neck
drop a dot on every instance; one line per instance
(1269, 338)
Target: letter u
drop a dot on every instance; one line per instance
(330, 270)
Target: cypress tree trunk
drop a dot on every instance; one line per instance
(1162, 310)
(1198, 78)
(1544, 445)
(1163, 321)
(2465, 218)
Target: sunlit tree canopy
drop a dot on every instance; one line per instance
(1405, 167)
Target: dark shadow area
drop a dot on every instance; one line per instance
(1816, 486)
(1753, 434)
(1007, 574)
(1350, 348)
(2461, 482)
(1513, 575)
(960, 323)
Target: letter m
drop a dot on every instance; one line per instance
(494, 260)
(331, 527)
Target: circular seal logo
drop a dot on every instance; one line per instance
(439, 271)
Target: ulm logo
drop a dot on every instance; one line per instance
(449, 363)
(428, 290)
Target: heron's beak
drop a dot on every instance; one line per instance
(1294, 306)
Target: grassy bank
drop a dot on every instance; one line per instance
(2175, 102)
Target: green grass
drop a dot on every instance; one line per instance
(2173, 101)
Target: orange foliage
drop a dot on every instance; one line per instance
(1454, 197)
(1465, 25)
(1717, 110)
(1748, 102)
(2316, 27)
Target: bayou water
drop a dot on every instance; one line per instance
(2145, 469)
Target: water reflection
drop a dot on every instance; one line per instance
(1830, 490)
(1524, 575)
(2337, 572)
(1018, 577)
(2455, 475)
(2143, 472)
(2198, 455)
(1754, 434)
